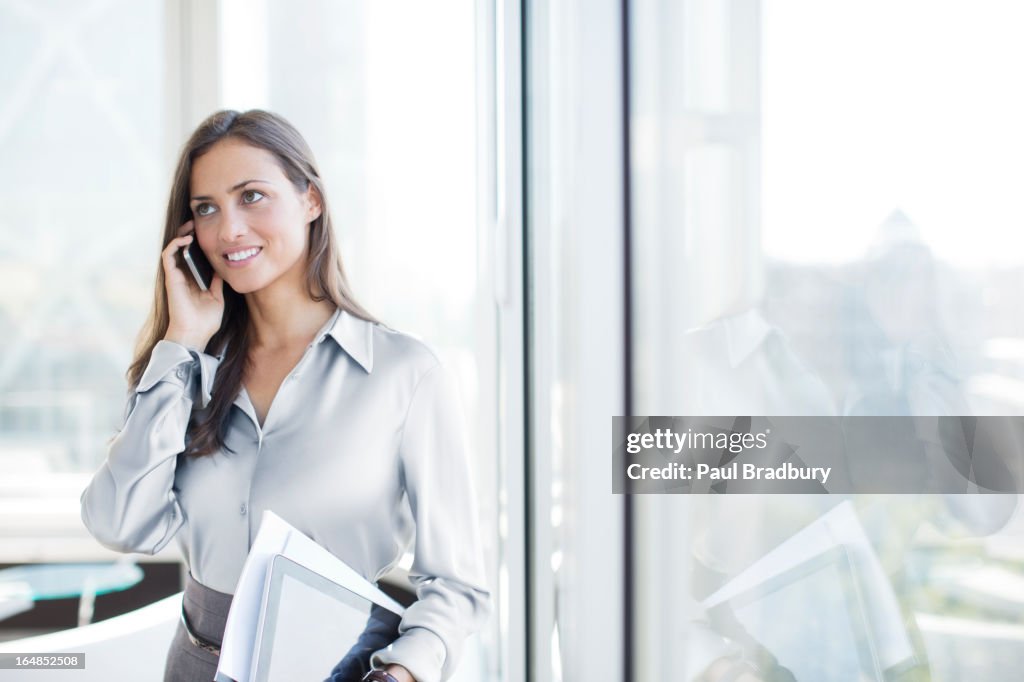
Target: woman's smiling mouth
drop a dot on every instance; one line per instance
(242, 256)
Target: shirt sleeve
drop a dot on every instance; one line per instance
(448, 569)
(130, 504)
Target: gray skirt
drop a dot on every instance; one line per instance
(207, 613)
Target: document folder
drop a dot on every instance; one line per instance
(277, 537)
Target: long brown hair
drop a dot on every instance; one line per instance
(325, 275)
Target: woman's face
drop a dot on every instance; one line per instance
(250, 220)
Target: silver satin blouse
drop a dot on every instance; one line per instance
(363, 445)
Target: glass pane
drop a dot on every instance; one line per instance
(833, 236)
(389, 109)
(83, 191)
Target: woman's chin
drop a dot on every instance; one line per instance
(245, 285)
(250, 281)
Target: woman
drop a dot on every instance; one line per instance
(275, 390)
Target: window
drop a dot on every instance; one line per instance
(386, 95)
(829, 186)
(82, 185)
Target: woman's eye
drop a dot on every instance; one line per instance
(250, 196)
(204, 209)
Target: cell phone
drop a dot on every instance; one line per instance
(199, 266)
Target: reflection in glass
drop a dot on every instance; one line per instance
(804, 254)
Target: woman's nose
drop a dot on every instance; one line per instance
(232, 226)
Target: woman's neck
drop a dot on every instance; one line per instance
(281, 319)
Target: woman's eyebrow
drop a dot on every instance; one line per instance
(243, 183)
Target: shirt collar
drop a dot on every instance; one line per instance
(744, 333)
(353, 334)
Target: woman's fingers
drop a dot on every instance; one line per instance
(217, 287)
(194, 315)
(167, 256)
(184, 238)
(177, 243)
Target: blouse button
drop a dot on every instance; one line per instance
(182, 372)
(243, 509)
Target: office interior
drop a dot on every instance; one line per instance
(589, 208)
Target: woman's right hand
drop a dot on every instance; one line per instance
(730, 669)
(195, 315)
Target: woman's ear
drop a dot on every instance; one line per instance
(313, 205)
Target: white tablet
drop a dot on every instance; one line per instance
(308, 625)
(810, 618)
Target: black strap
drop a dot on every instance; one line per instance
(198, 641)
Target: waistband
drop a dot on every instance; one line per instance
(205, 614)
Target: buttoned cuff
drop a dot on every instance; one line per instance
(177, 364)
(419, 650)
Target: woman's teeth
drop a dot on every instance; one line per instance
(242, 255)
